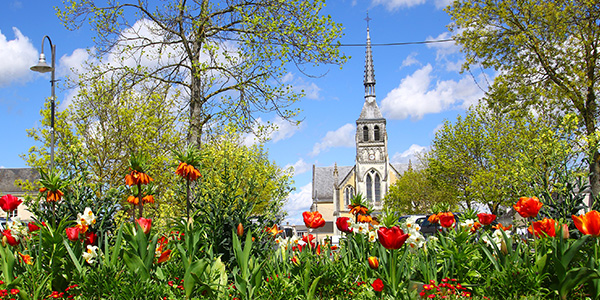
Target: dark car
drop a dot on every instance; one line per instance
(427, 228)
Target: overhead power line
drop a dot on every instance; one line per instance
(398, 44)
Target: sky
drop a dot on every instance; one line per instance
(419, 86)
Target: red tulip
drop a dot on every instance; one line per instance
(446, 219)
(73, 233)
(145, 224)
(544, 228)
(342, 224)
(91, 238)
(528, 207)
(9, 202)
(32, 227)
(486, 219)
(373, 262)
(313, 219)
(309, 240)
(377, 285)
(9, 238)
(391, 238)
(588, 223)
(164, 256)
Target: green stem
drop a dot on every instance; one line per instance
(140, 203)
(187, 199)
(393, 271)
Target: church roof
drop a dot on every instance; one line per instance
(8, 177)
(323, 179)
(370, 111)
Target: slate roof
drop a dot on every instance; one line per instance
(323, 179)
(8, 177)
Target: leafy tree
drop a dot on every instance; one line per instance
(415, 193)
(546, 54)
(493, 157)
(228, 59)
(256, 179)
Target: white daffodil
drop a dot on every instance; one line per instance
(87, 218)
(372, 236)
(415, 240)
(496, 238)
(90, 254)
(361, 228)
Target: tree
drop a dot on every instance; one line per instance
(492, 157)
(231, 170)
(414, 192)
(546, 54)
(228, 59)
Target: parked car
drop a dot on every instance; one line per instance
(427, 228)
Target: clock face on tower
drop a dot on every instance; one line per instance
(371, 157)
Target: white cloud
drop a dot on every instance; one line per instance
(73, 64)
(280, 129)
(410, 60)
(297, 203)
(414, 98)
(342, 137)
(395, 4)
(18, 56)
(310, 89)
(410, 154)
(299, 166)
(441, 4)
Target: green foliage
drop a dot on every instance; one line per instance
(415, 192)
(546, 56)
(228, 60)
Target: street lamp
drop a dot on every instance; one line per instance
(43, 67)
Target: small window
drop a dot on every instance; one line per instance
(369, 187)
(365, 133)
(376, 132)
(348, 194)
(11, 214)
(377, 188)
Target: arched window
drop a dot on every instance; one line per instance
(369, 187)
(365, 133)
(376, 132)
(348, 194)
(377, 188)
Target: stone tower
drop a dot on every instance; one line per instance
(371, 141)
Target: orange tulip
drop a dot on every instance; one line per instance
(528, 207)
(240, 230)
(26, 258)
(313, 219)
(373, 262)
(164, 256)
(274, 230)
(588, 223)
(475, 227)
(433, 219)
(544, 228)
(500, 226)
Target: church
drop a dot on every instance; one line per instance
(372, 174)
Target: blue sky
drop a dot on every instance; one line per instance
(418, 86)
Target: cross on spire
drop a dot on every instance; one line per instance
(368, 19)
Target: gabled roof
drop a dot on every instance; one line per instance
(8, 177)
(323, 181)
(370, 111)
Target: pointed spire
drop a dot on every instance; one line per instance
(369, 69)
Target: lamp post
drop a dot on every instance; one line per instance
(43, 67)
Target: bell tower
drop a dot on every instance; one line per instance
(371, 139)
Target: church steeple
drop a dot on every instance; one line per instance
(369, 69)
